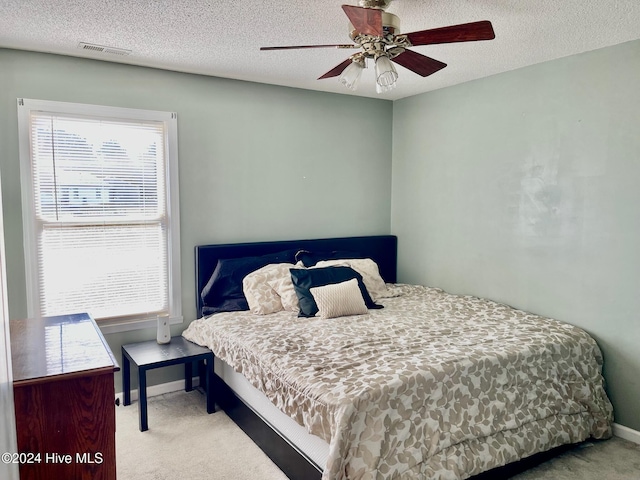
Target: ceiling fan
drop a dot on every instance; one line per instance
(377, 33)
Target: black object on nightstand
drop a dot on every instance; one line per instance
(149, 355)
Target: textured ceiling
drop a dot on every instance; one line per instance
(222, 38)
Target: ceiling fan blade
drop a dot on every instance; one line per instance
(365, 20)
(418, 63)
(466, 32)
(294, 47)
(335, 71)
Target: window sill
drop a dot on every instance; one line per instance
(117, 326)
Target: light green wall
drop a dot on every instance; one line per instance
(523, 188)
(257, 162)
(520, 187)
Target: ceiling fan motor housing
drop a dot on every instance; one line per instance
(373, 46)
(381, 4)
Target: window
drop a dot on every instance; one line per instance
(100, 212)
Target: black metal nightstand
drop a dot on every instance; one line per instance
(149, 355)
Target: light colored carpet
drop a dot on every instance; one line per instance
(184, 442)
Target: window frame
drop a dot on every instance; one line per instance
(30, 229)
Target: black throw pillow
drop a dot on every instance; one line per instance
(305, 279)
(223, 292)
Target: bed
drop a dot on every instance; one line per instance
(418, 384)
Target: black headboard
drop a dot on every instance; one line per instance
(380, 248)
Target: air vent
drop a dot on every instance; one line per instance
(102, 49)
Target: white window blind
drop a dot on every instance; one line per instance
(98, 199)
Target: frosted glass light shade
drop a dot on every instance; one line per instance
(381, 89)
(350, 77)
(386, 74)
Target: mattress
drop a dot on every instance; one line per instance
(312, 447)
(432, 386)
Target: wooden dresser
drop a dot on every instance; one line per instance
(63, 383)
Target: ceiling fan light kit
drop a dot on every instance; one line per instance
(377, 34)
(386, 74)
(350, 77)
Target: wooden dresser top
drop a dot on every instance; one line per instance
(46, 347)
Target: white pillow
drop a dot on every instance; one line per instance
(261, 296)
(283, 286)
(370, 274)
(339, 299)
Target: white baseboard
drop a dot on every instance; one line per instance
(626, 433)
(159, 389)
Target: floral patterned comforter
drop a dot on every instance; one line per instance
(434, 385)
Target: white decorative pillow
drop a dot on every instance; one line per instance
(339, 299)
(260, 295)
(369, 271)
(283, 286)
